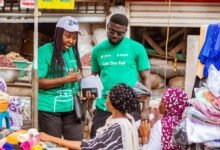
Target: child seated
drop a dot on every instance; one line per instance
(172, 106)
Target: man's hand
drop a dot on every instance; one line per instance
(89, 95)
(145, 108)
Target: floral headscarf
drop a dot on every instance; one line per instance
(175, 101)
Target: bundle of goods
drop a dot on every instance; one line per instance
(13, 56)
(19, 61)
(24, 140)
(9, 71)
(5, 62)
(202, 119)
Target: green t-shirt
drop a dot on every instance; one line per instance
(58, 99)
(118, 63)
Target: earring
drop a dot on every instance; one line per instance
(112, 108)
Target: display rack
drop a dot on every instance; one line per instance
(12, 13)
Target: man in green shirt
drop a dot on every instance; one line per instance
(117, 60)
(58, 82)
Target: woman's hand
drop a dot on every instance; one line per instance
(144, 131)
(73, 76)
(45, 137)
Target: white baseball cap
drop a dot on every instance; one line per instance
(68, 23)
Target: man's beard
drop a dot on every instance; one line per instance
(115, 43)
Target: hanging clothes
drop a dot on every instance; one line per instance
(210, 52)
(199, 65)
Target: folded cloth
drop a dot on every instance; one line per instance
(200, 95)
(8, 146)
(213, 144)
(198, 133)
(210, 112)
(5, 133)
(198, 117)
(141, 90)
(216, 103)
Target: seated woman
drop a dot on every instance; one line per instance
(174, 102)
(119, 131)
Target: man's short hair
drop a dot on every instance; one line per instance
(119, 19)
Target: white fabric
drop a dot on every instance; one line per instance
(128, 130)
(213, 81)
(2, 142)
(3, 86)
(155, 137)
(15, 113)
(68, 23)
(92, 81)
(212, 144)
(198, 133)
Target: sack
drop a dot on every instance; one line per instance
(79, 109)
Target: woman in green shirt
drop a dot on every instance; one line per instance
(59, 72)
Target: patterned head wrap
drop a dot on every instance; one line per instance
(175, 101)
(123, 98)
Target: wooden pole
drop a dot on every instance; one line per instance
(34, 103)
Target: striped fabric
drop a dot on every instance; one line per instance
(110, 139)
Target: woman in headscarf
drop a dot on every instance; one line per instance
(119, 131)
(172, 106)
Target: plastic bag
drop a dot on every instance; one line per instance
(179, 136)
(213, 81)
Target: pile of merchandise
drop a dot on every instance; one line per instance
(201, 123)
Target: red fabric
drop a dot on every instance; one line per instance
(175, 101)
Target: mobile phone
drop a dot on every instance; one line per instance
(94, 91)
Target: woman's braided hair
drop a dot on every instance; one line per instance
(123, 98)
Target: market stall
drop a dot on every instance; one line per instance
(30, 21)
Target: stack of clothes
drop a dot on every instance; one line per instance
(201, 120)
